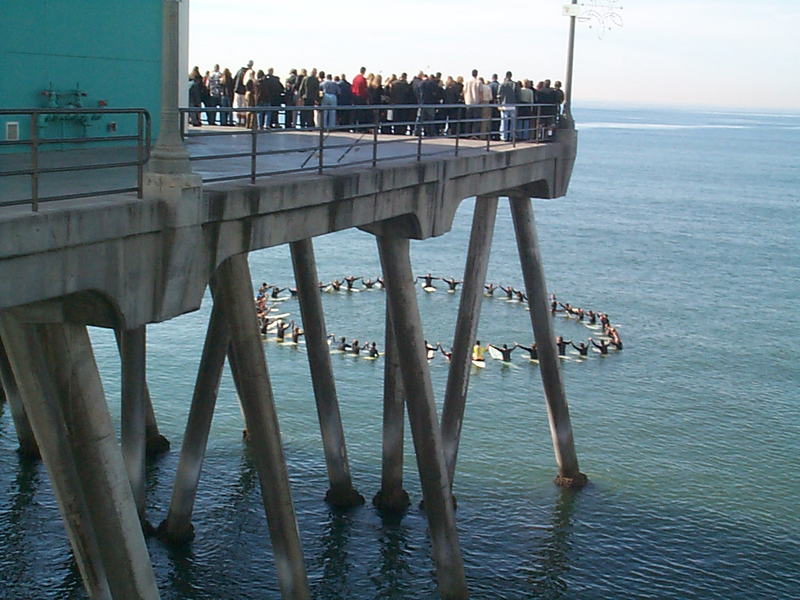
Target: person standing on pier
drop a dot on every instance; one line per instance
(309, 94)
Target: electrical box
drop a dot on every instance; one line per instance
(12, 131)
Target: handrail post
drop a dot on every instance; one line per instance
(139, 155)
(34, 162)
(458, 128)
(488, 133)
(253, 145)
(420, 122)
(375, 137)
(514, 125)
(321, 143)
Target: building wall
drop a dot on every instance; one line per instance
(110, 50)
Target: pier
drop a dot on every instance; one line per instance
(123, 262)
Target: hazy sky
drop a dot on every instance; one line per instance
(732, 54)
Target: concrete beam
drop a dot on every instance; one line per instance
(549, 364)
(34, 373)
(469, 311)
(392, 499)
(177, 528)
(132, 345)
(8, 382)
(255, 394)
(402, 298)
(341, 493)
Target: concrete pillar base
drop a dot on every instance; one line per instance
(344, 498)
(178, 536)
(157, 445)
(574, 483)
(392, 502)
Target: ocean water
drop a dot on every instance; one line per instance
(685, 228)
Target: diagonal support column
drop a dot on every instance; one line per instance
(469, 311)
(250, 370)
(392, 498)
(132, 349)
(402, 298)
(177, 528)
(27, 440)
(101, 468)
(155, 443)
(549, 365)
(341, 493)
(40, 395)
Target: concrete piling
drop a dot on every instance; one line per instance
(401, 295)
(549, 365)
(38, 391)
(341, 493)
(132, 346)
(177, 527)
(392, 498)
(469, 310)
(255, 389)
(100, 465)
(27, 440)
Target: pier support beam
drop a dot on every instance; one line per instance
(27, 440)
(402, 298)
(341, 493)
(177, 528)
(132, 347)
(42, 400)
(101, 467)
(530, 257)
(392, 498)
(155, 443)
(469, 311)
(258, 404)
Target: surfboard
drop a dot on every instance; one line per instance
(479, 364)
(353, 290)
(429, 288)
(430, 354)
(368, 357)
(279, 299)
(495, 353)
(280, 316)
(534, 360)
(451, 291)
(327, 288)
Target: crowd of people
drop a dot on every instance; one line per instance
(609, 339)
(452, 105)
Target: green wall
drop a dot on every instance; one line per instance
(112, 49)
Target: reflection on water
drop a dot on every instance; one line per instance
(551, 558)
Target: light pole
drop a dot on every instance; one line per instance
(566, 118)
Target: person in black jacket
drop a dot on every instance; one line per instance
(197, 94)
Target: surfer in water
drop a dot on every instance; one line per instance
(447, 355)
(477, 351)
(355, 348)
(562, 345)
(379, 281)
(602, 346)
(531, 350)
(520, 296)
(583, 349)
(343, 346)
(336, 285)
(592, 317)
(553, 304)
(490, 289)
(296, 333)
(262, 291)
(505, 351)
(280, 333)
(276, 290)
(508, 290)
(373, 351)
(452, 283)
(428, 279)
(615, 340)
(350, 281)
(369, 284)
(430, 351)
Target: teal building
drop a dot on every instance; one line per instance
(86, 53)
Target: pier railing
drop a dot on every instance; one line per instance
(361, 135)
(38, 160)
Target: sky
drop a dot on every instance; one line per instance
(710, 54)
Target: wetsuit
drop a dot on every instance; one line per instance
(532, 351)
(282, 327)
(583, 349)
(506, 352)
(603, 347)
(373, 351)
(562, 347)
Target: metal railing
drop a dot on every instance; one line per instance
(39, 117)
(319, 148)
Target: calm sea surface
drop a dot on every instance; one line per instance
(685, 228)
